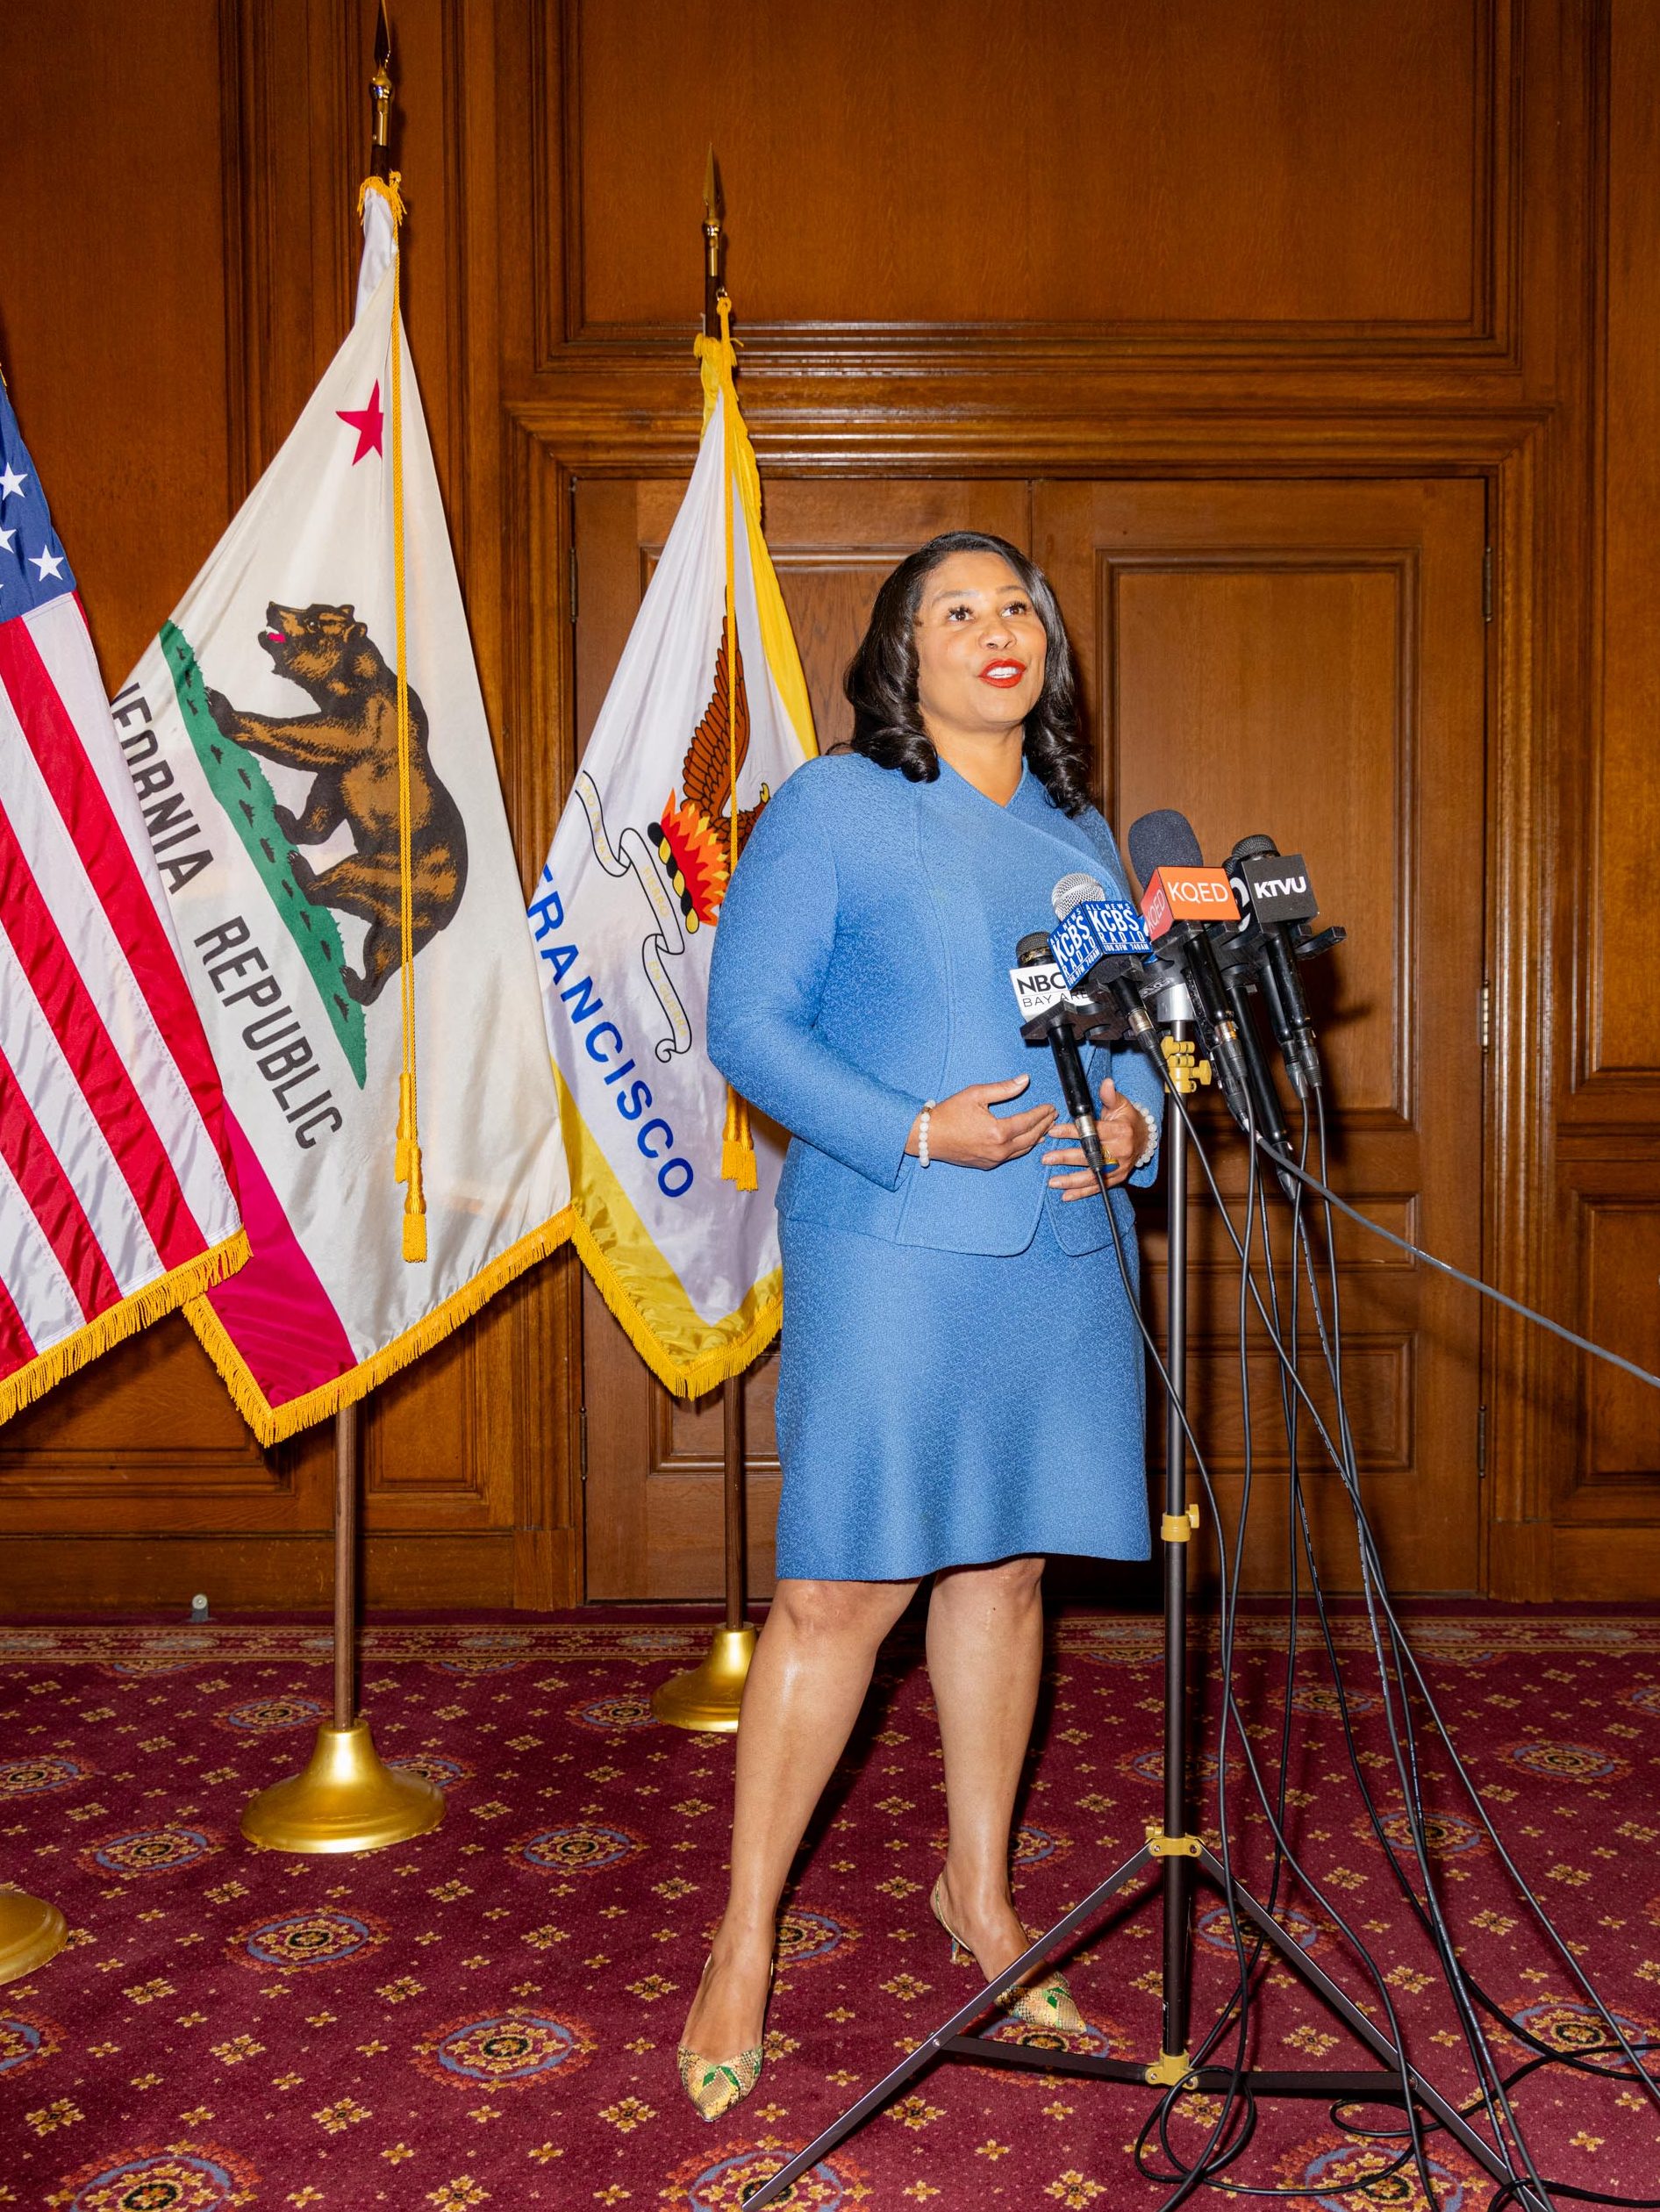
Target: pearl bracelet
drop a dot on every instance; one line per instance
(922, 1131)
(1151, 1146)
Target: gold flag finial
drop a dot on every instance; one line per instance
(712, 240)
(379, 91)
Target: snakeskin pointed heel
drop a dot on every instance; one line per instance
(1048, 2003)
(715, 2085)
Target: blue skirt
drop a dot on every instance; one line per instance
(940, 1409)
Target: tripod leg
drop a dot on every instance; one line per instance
(928, 2051)
(1359, 2026)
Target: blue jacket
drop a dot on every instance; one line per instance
(861, 968)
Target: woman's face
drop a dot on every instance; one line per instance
(980, 649)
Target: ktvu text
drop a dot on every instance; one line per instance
(606, 1046)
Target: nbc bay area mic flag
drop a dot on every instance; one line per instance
(260, 731)
(117, 1199)
(689, 743)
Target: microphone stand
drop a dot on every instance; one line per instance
(1175, 1854)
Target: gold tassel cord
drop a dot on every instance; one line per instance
(406, 1167)
(737, 1146)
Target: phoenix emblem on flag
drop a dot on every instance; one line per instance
(693, 839)
(349, 745)
(682, 863)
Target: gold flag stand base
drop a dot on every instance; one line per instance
(346, 1800)
(708, 1696)
(31, 1932)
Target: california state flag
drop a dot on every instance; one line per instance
(706, 715)
(307, 742)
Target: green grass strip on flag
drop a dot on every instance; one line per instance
(243, 789)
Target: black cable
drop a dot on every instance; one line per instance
(1405, 1662)
(1208, 2163)
(1404, 1654)
(1345, 1461)
(1459, 1976)
(1508, 2189)
(1256, 1210)
(1489, 2075)
(1493, 2097)
(1196, 2175)
(1230, 1701)
(1470, 1282)
(1192, 2176)
(1342, 1460)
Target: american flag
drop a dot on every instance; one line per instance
(117, 1200)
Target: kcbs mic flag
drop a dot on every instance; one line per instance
(307, 738)
(116, 1197)
(706, 715)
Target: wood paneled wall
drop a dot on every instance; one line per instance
(1235, 240)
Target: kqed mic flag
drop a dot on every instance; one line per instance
(116, 1197)
(307, 736)
(706, 715)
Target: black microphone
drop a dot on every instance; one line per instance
(1275, 905)
(1236, 957)
(1180, 893)
(1055, 1024)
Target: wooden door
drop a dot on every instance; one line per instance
(1307, 659)
(653, 1494)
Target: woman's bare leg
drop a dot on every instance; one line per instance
(807, 1680)
(985, 1656)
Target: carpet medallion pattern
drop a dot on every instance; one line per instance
(487, 2016)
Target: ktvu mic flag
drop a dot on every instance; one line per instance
(115, 1201)
(286, 816)
(706, 715)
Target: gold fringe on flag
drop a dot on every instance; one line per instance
(186, 1281)
(272, 1424)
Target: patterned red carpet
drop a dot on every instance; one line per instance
(488, 2016)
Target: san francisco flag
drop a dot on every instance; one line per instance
(116, 1199)
(308, 738)
(706, 715)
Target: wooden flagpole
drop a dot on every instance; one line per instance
(707, 1697)
(347, 1798)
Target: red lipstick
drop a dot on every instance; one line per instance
(1004, 674)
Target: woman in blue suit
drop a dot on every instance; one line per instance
(960, 1381)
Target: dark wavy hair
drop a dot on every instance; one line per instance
(880, 681)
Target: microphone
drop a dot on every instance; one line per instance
(1180, 897)
(1277, 905)
(1236, 954)
(1238, 949)
(1102, 946)
(1055, 1024)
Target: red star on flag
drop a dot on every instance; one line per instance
(367, 422)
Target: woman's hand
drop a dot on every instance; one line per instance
(1122, 1128)
(964, 1130)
